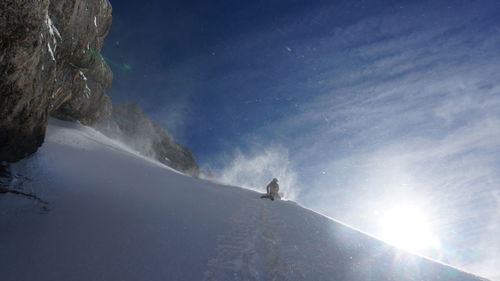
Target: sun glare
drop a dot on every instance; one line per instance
(407, 227)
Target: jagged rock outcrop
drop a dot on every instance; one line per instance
(130, 125)
(50, 65)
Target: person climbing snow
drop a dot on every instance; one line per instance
(272, 190)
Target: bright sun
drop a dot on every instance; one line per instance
(407, 227)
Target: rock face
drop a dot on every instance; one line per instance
(50, 65)
(130, 125)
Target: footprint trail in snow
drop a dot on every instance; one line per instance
(250, 250)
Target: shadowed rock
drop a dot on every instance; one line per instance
(50, 65)
(130, 125)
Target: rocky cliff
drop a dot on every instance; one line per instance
(50, 65)
(130, 125)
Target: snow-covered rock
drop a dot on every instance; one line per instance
(115, 215)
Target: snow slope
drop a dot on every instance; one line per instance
(114, 215)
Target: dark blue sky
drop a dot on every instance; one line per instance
(355, 105)
(213, 43)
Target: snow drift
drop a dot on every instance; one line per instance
(111, 214)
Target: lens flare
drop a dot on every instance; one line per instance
(121, 66)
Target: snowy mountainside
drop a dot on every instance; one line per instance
(111, 214)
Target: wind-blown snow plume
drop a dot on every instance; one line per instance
(131, 126)
(255, 171)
